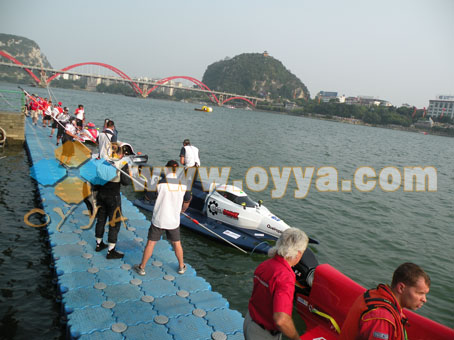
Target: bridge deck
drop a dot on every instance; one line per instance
(106, 299)
(123, 78)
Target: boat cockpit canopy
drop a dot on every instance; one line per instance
(240, 200)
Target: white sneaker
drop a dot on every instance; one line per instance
(139, 270)
(182, 270)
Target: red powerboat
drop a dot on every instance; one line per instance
(324, 295)
(90, 133)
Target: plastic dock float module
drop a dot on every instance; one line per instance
(107, 299)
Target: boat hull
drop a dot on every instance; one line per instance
(139, 159)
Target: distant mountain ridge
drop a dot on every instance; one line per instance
(24, 50)
(255, 74)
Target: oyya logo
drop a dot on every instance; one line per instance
(72, 190)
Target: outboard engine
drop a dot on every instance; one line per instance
(127, 149)
(305, 269)
(132, 157)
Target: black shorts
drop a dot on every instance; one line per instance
(61, 130)
(187, 196)
(155, 233)
(54, 124)
(47, 117)
(68, 147)
(79, 122)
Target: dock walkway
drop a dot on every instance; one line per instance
(106, 299)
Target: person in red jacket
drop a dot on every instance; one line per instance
(378, 313)
(34, 110)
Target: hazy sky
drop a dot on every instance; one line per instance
(397, 50)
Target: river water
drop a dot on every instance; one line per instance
(366, 235)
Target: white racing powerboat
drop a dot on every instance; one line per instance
(228, 212)
(231, 205)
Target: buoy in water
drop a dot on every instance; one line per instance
(205, 109)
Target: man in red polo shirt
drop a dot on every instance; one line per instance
(271, 304)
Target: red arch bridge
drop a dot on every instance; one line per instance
(142, 88)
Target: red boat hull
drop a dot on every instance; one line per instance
(333, 293)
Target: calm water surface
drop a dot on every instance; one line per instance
(364, 235)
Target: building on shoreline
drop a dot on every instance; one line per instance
(329, 96)
(372, 101)
(424, 124)
(442, 106)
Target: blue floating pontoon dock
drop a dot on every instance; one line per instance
(106, 299)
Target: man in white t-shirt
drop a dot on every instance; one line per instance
(189, 155)
(63, 118)
(171, 201)
(105, 140)
(56, 112)
(80, 115)
(47, 114)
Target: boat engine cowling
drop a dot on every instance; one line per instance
(271, 224)
(305, 269)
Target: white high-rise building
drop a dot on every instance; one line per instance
(443, 105)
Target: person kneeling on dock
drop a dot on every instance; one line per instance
(108, 202)
(171, 201)
(270, 306)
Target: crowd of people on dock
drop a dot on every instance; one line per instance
(55, 116)
(378, 314)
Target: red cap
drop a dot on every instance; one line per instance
(59, 103)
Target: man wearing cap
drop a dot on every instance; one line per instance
(171, 201)
(270, 306)
(189, 155)
(108, 202)
(105, 140)
(62, 119)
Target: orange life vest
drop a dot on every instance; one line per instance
(381, 297)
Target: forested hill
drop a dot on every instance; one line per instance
(24, 50)
(254, 74)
